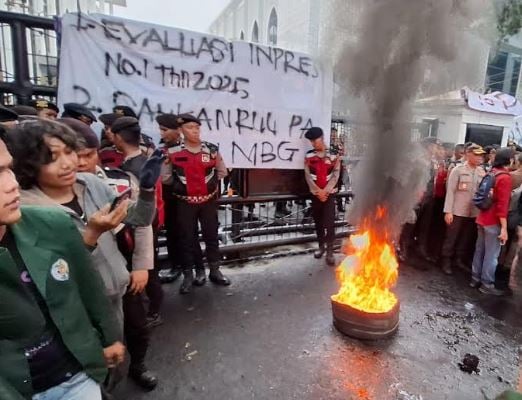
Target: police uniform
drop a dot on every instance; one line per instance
(322, 171)
(146, 142)
(195, 183)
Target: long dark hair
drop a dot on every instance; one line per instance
(27, 145)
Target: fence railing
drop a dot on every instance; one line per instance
(250, 224)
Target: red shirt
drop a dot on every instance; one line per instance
(501, 197)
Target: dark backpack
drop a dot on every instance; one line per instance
(483, 197)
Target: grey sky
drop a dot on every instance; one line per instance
(195, 15)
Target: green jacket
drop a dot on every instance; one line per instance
(75, 298)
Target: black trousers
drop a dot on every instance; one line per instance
(174, 239)
(430, 226)
(154, 289)
(323, 214)
(173, 243)
(460, 239)
(135, 328)
(187, 217)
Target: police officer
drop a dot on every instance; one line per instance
(45, 109)
(146, 142)
(196, 169)
(170, 137)
(77, 111)
(322, 170)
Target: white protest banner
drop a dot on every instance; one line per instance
(255, 102)
(496, 102)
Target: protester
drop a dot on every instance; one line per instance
(492, 226)
(489, 157)
(322, 170)
(459, 210)
(45, 109)
(196, 169)
(45, 164)
(57, 330)
(109, 155)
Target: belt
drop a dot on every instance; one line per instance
(196, 199)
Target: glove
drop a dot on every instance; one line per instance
(151, 170)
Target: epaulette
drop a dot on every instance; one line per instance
(212, 148)
(310, 153)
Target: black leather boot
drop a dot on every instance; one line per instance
(201, 277)
(217, 277)
(320, 251)
(188, 280)
(330, 259)
(143, 377)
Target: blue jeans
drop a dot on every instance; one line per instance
(486, 255)
(79, 387)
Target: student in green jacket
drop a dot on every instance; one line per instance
(57, 332)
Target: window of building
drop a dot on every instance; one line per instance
(272, 28)
(242, 35)
(503, 72)
(255, 33)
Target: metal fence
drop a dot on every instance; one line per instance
(249, 225)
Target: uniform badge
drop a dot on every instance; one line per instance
(205, 158)
(60, 270)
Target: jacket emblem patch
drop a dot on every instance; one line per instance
(60, 270)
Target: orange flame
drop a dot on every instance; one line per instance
(369, 271)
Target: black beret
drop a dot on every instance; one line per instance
(83, 131)
(314, 133)
(7, 115)
(41, 104)
(74, 110)
(186, 118)
(168, 121)
(24, 110)
(123, 123)
(108, 119)
(124, 111)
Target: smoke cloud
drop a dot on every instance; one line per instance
(397, 43)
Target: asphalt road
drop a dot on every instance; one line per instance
(270, 336)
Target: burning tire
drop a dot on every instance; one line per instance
(363, 325)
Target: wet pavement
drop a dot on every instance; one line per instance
(270, 336)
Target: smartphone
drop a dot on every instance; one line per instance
(126, 194)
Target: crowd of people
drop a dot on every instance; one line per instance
(79, 224)
(470, 214)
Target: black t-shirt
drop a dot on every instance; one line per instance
(50, 362)
(75, 206)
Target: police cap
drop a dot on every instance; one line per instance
(186, 118)
(7, 115)
(314, 133)
(22, 110)
(168, 121)
(124, 111)
(125, 123)
(42, 104)
(109, 119)
(75, 110)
